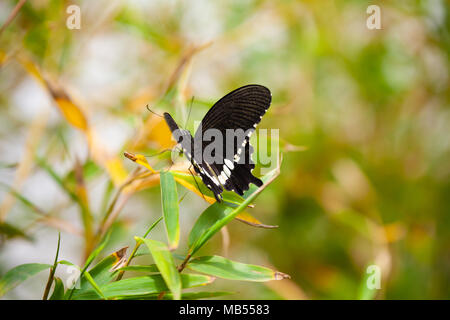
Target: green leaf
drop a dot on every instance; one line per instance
(146, 285)
(223, 268)
(94, 284)
(218, 215)
(100, 273)
(17, 275)
(96, 252)
(169, 199)
(89, 260)
(194, 183)
(206, 220)
(164, 262)
(149, 269)
(58, 291)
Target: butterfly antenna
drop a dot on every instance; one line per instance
(157, 154)
(198, 187)
(148, 108)
(189, 112)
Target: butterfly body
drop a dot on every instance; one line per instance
(225, 162)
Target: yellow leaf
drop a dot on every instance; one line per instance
(191, 187)
(247, 218)
(72, 113)
(139, 159)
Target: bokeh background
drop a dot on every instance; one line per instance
(364, 128)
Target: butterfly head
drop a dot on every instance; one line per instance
(177, 133)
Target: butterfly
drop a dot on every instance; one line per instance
(231, 121)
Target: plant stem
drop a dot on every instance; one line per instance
(52, 271)
(13, 14)
(185, 262)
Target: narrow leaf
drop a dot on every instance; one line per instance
(149, 269)
(165, 264)
(94, 284)
(194, 183)
(58, 291)
(218, 215)
(101, 272)
(223, 268)
(247, 218)
(17, 275)
(205, 221)
(91, 258)
(146, 285)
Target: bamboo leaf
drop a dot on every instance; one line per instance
(58, 291)
(226, 269)
(94, 284)
(247, 218)
(17, 275)
(101, 272)
(89, 260)
(169, 198)
(165, 264)
(145, 285)
(218, 215)
(97, 251)
(139, 159)
(194, 183)
(68, 108)
(149, 269)
(205, 221)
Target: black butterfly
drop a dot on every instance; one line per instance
(240, 110)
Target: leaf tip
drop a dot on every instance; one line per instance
(130, 156)
(280, 275)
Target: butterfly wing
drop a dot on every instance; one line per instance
(186, 141)
(241, 109)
